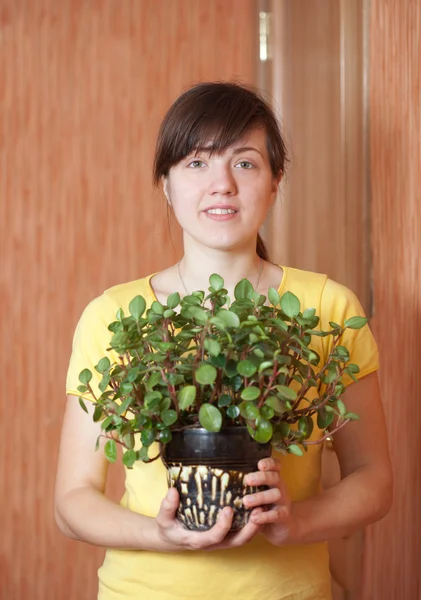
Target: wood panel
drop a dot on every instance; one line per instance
(394, 545)
(318, 84)
(83, 88)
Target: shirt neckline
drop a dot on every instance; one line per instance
(281, 286)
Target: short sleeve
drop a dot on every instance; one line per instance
(339, 303)
(90, 342)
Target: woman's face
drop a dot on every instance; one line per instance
(222, 200)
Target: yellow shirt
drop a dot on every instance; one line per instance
(258, 570)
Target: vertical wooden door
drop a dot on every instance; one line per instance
(394, 546)
(83, 88)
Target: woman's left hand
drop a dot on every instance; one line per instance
(279, 525)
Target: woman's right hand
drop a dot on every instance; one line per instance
(172, 533)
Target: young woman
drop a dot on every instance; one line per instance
(220, 158)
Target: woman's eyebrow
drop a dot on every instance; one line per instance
(209, 149)
(246, 149)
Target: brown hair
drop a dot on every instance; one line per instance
(225, 112)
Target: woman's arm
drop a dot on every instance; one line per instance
(83, 512)
(363, 495)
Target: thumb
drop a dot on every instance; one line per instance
(169, 506)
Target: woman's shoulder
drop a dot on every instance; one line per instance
(318, 290)
(119, 296)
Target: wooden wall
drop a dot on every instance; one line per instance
(83, 86)
(394, 545)
(319, 87)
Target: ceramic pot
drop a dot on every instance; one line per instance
(208, 470)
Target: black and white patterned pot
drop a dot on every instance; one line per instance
(208, 470)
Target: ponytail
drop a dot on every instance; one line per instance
(261, 249)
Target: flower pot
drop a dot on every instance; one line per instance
(208, 470)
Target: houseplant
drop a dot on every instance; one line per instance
(203, 376)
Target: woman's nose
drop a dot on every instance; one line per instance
(222, 181)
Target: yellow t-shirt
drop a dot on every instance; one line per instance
(258, 570)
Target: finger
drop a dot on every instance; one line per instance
(241, 537)
(271, 496)
(270, 478)
(168, 508)
(269, 464)
(277, 514)
(198, 540)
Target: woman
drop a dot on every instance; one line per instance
(220, 157)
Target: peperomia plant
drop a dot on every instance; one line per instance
(202, 361)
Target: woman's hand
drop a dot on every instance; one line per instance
(174, 536)
(277, 522)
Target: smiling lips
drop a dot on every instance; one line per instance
(219, 213)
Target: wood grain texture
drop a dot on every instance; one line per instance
(394, 545)
(83, 87)
(320, 222)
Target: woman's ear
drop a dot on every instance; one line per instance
(165, 188)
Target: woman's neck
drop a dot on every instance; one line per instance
(196, 267)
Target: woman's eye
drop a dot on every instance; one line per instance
(245, 164)
(196, 164)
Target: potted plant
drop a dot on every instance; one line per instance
(211, 386)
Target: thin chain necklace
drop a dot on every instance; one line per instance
(261, 264)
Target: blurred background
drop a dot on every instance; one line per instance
(84, 85)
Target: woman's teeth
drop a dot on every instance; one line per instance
(221, 211)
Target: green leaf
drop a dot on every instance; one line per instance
(290, 305)
(263, 432)
(82, 389)
(229, 318)
(165, 436)
(233, 412)
(286, 392)
(169, 313)
(103, 384)
(266, 412)
(295, 449)
(143, 454)
(169, 417)
(341, 407)
(216, 282)
(274, 297)
(157, 308)
(249, 411)
(267, 364)
(85, 376)
(98, 413)
(120, 314)
(200, 315)
(246, 368)
(173, 300)
(110, 450)
(356, 322)
(83, 405)
(250, 393)
(186, 396)
(210, 417)
(351, 416)
(147, 437)
(224, 400)
(305, 425)
(137, 307)
(324, 418)
(103, 365)
(129, 458)
(309, 313)
(212, 346)
(243, 289)
(275, 404)
(206, 374)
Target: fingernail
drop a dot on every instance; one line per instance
(250, 480)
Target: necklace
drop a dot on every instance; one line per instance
(187, 291)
